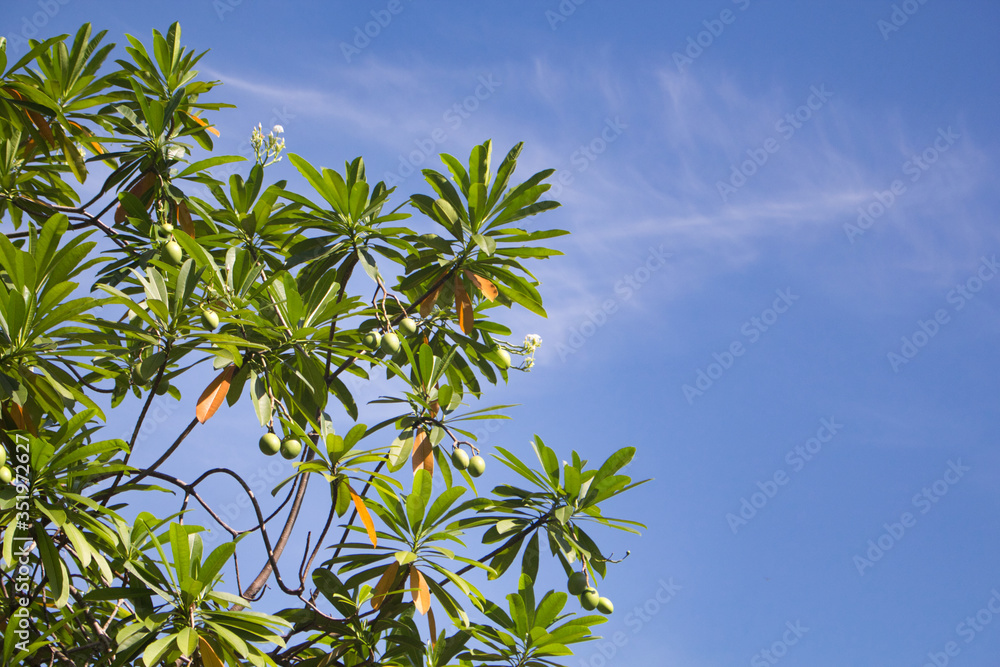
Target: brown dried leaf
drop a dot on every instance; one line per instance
(214, 394)
(463, 305)
(423, 453)
(488, 289)
(384, 584)
(421, 592)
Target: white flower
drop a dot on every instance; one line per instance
(532, 341)
(277, 129)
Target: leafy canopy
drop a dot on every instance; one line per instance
(257, 292)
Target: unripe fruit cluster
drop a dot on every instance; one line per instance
(590, 599)
(389, 341)
(475, 465)
(271, 444)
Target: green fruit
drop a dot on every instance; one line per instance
(408, 326)
(460, 459)
(6, 475)
(166, 227)
(577, 583)
(270, 444)
(173, 252)
(162, 388)
(210, 319)
(390, 343)
(605, 607)
(504, 359)
(477, 466)
(290, 448)
(589, 599)
(372, 339)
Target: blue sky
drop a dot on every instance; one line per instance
(769, 296)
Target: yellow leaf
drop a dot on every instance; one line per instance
(208, 656)
(214, 394)
(463, 305)
(488, 289)
(421, 592)
(384, 584)
(366, 518)
(203, 124)
(423, 452)
(95, 146)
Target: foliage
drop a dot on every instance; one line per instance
(253, 288)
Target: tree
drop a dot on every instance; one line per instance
(254, 289)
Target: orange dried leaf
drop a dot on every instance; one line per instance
(432, 626)
(214, 394)
(423, 453)
(366, 518)
(208, 655)
(488, 289)
(463, 305)
(43, 126)
(421, 592)
(427, 305)
(384, 584)
(184, 218)
(204, 124)
(21, 418)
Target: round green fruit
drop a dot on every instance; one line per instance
(605, 607)
(290, 448)
(460, 459)
(6, 475)
(504, 359)
(577, 583)
(589, 599)
(269, 444)
(390, 343)
(210, 319)
(408, 326)
(166, 228)
(372, 339)
(477, 466)
(173, 253)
